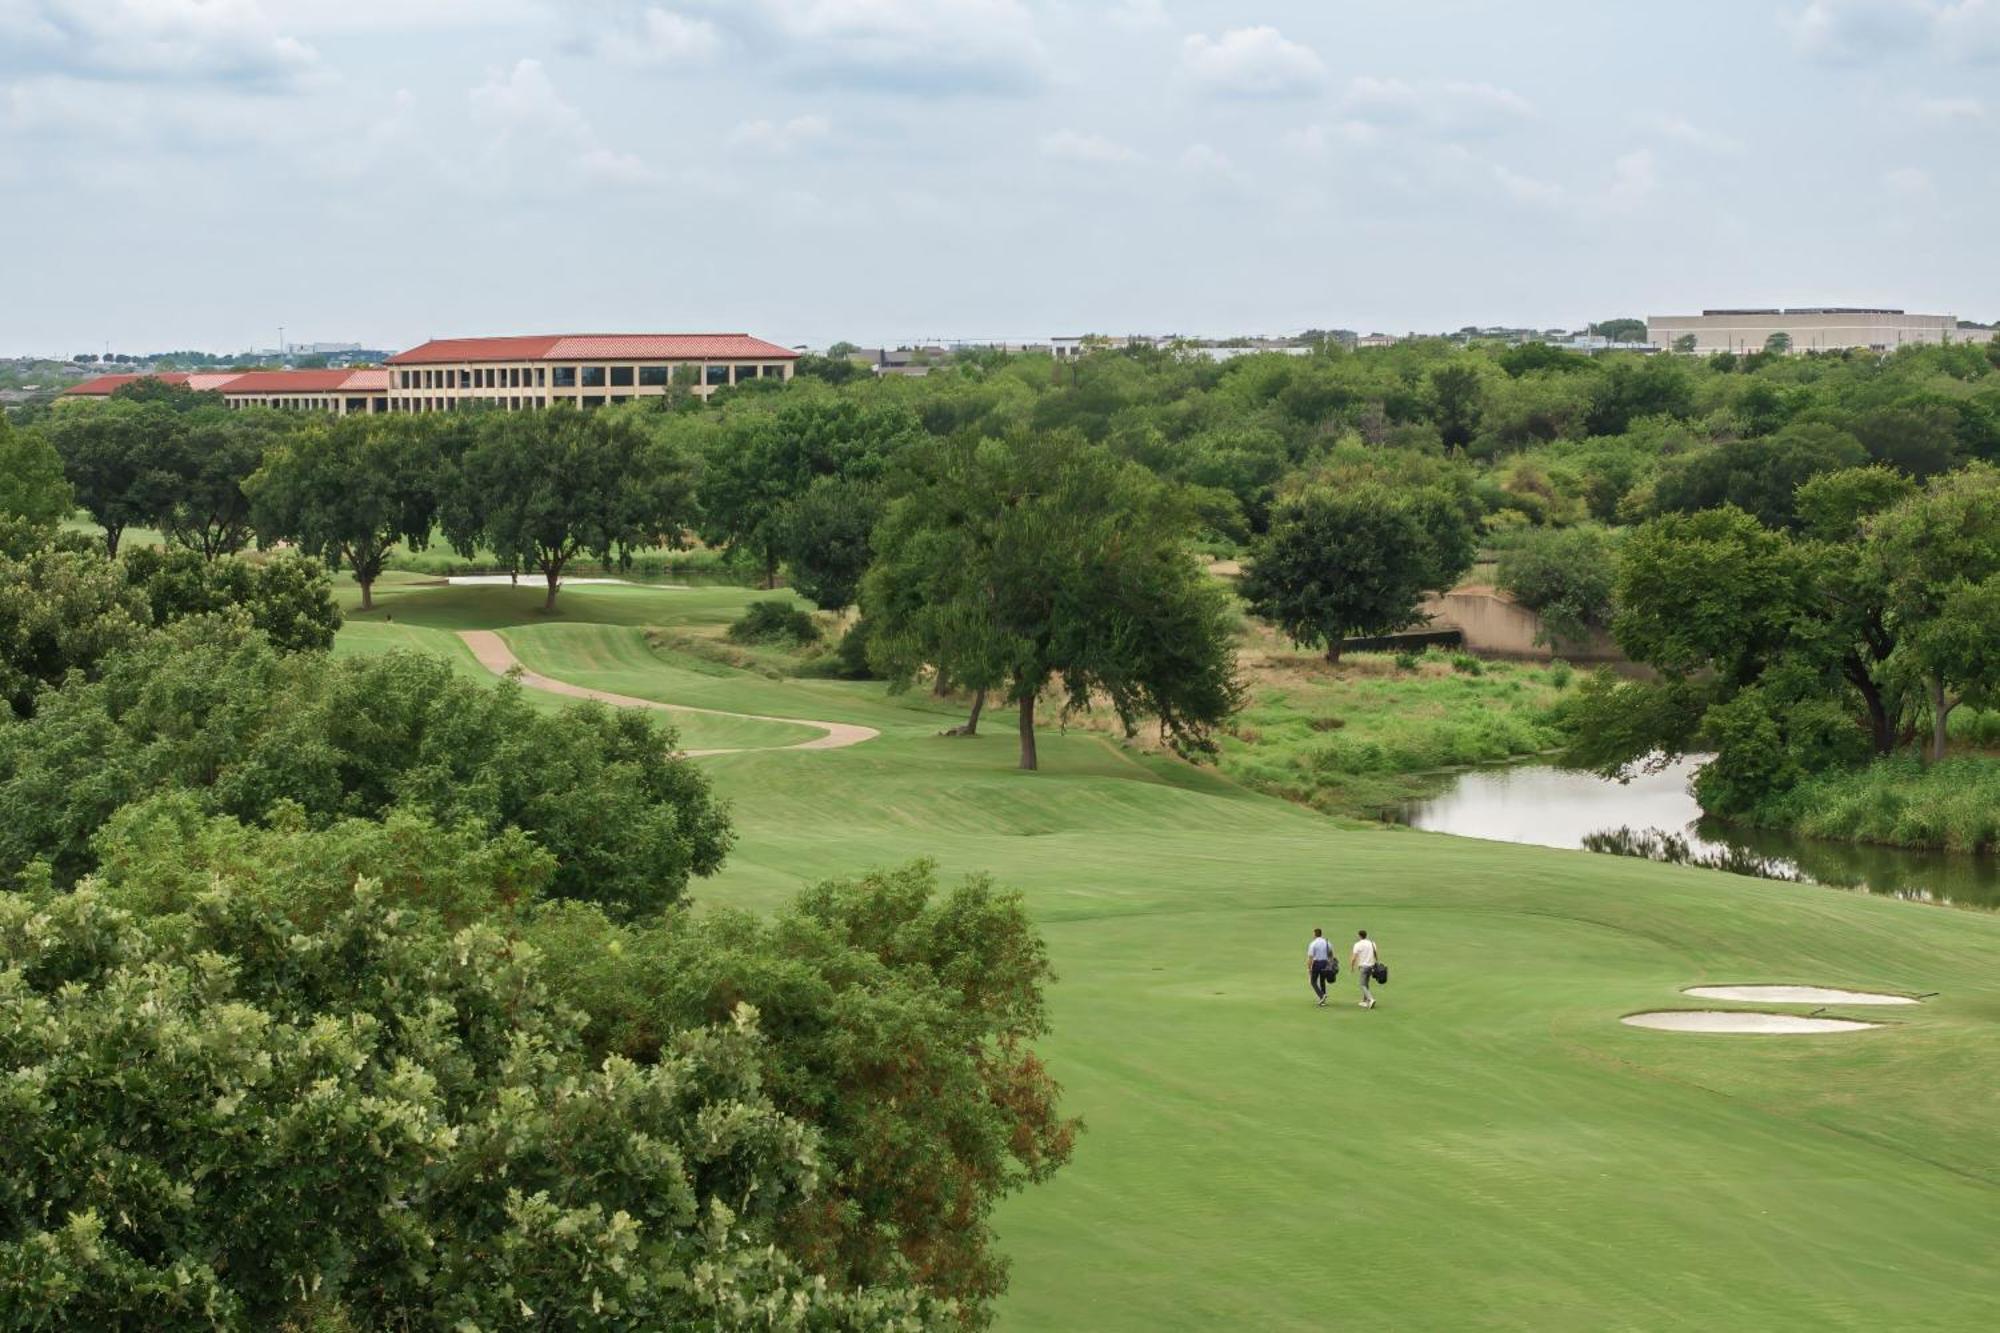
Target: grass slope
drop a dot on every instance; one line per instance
(1490, 1148)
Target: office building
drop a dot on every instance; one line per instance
(1810, 329)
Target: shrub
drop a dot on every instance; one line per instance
(852, 652)
(1467, 665)
(1407, 660)
(1560, 674)
(225, 1118)
(209, 707)
(774, 621)
(1565, 576)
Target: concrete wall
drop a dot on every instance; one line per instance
(1495, 625)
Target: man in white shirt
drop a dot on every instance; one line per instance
(1362, 959)
(1319, 964)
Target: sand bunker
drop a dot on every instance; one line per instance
(1735, 1020)
(1795, 995)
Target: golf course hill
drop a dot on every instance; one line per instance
(1492, 1147)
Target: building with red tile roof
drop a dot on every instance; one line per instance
(515, 373)
(582, 369)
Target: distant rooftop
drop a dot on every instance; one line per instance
(596, 347)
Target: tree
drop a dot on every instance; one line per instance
(1455, 394)
(542, 488)
(764, 458)
(243, 1114)
(1939, 554)
(202, 506)
(1658, 386)
(898, 1019)
(1779, 343)
(826, 539)
(207, 706)
(1565, 576)
(120, 457)
(350, 492)
(32, 486)
(1626, 330)
(1760, 476)
(1685, 344)
(63, 608)
(288, 598)
(1040, 560)
(1356, 561)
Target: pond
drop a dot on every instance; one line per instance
(1653, 815)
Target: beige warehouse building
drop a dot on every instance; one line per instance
(1811, 329)
(582, 370)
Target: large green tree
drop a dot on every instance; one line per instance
(1040, 560)
(243, 1100)
(201, 504)
(542, 488)
(1938, 552)
(1357, 560)
(63, 608)
(121, 458)
(898, 1018)
(350, 492)
(764, 458)
(32, 486)
(208, 706)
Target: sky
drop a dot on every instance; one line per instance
(199, 173)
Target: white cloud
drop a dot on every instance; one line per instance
(1852, 32)
(666, 38)
(1450, 106)
(1970, 30)
(528, 118)
(779, 137)
(1684, 131)
(1635, 178)
(1319, 140)
(1524, 189)
(1251, 62)
(1139, 14)
(1077, 146)
(236, 41)
(1909, 182)
(1951, 110)
(1200, 159)
(927, 46)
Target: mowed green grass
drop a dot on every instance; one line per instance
(1488, 1149)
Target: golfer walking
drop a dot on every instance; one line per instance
(1319, 964)
(1362, 958)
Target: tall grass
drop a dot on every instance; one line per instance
(1357, 739)
(1954, 804)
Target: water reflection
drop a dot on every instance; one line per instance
(1654, 816)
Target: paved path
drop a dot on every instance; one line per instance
(494, 654)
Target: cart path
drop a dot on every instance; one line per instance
(494, 654)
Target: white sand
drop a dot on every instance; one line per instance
(1732, 1020)
(1795, 995)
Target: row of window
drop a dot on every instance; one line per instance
(572, 377)
(508, 403)
(290, 403)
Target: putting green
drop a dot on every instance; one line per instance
(1491, 1147)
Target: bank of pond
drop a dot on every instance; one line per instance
(1653, 815)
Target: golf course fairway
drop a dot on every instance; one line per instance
(1491, 1148)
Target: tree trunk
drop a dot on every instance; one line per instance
(770, 572)
(1940, 716)
(111, 539)
(1333, 651)
(367, 594)
(554, 576)
(969, 727)
(1028, 733)
(1881, 727)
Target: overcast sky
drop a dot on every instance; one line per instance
(198, 172)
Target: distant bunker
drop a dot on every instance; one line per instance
(1741, 1022)
(1794, 995)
